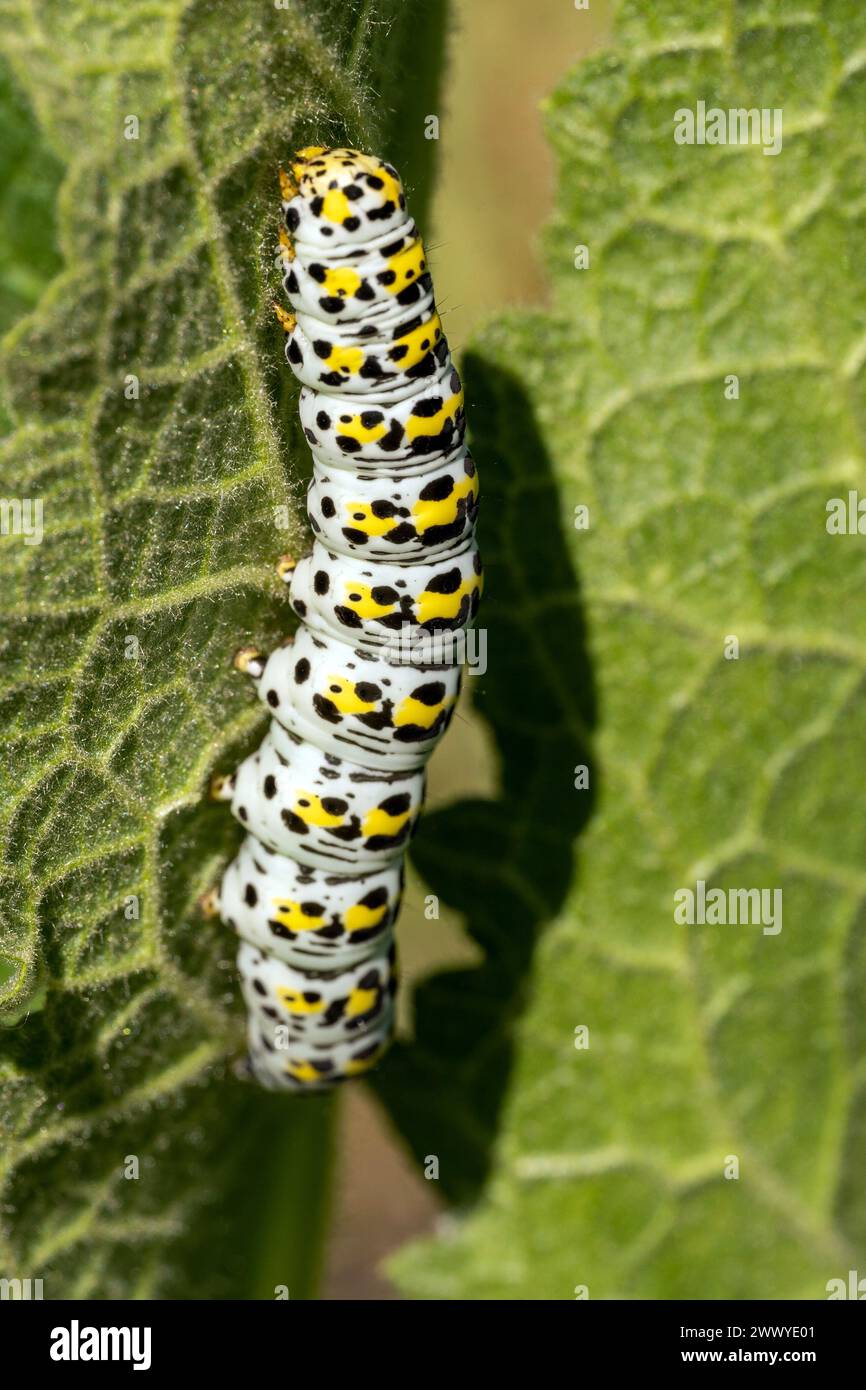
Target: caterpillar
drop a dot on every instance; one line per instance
(331, 798)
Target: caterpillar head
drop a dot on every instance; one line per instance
(319, 172)
(341, 194)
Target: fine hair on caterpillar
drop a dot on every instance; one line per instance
(366, 688)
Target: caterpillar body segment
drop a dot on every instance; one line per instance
(318, 1009)
(402, 520)
(424, 420)
(362, 285)
(370, 602)
(311, 919)
(357, 705)
(322, 810)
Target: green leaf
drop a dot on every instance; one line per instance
(29, 177)
(155, 424)
(707, 520)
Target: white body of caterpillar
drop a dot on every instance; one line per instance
(331, 797)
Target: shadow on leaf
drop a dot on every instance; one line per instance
(506, 864)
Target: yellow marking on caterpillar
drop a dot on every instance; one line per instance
(344, 359)
(440, 513)
(310, 810)
(290, 914)
(361, 1001)
(285, 318)
(379, 822)
(341, 282)
(293, 1002)
(432, 605)
(361, 918)
(304, 1071)
(288, 187)
(392, 185)
(287, 247)
(363, 519)
(413, 711)
(336, 206)
(304, 156)
(359, 1065)
(431, 424)
(345, 698)
(359, 597)
(418, 342)
(408, 265)
(365, 434)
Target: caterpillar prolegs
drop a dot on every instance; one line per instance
(331, 798)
